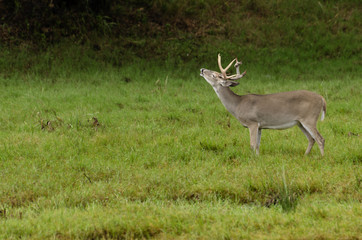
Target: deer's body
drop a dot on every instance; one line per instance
(272, 111)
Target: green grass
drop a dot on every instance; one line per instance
(168, 161)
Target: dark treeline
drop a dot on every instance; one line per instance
(185, 28)
(49, 21)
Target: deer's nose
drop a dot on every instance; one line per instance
(201, 72)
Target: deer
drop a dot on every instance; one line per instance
(270, 111)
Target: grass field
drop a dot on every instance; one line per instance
(152, 153)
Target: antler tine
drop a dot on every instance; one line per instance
(237, 64)
(231, 63)
(223, 71)
(237, 76)
(220, 67)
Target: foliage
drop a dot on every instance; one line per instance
(189, 30)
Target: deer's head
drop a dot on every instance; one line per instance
(221, 79)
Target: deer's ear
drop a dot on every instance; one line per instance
(229, 83)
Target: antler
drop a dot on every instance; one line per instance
(237, 64)
(223, 71)
(237, 75)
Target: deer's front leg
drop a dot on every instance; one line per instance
(255, 135)
(258, 141)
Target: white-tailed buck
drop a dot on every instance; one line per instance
(271, 111)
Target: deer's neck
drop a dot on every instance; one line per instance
(228, 98)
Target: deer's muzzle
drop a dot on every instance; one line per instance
(202, 72)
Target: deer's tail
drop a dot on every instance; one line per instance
(324, 109)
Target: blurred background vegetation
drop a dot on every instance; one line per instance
(267, 32)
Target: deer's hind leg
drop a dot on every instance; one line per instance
(311, 128)
(311, 140)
